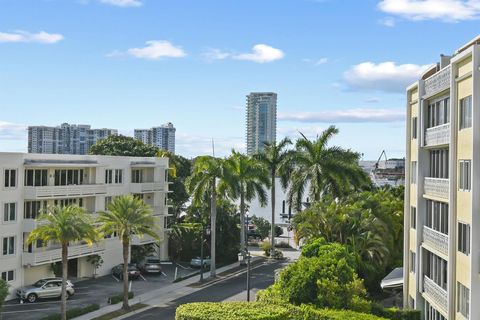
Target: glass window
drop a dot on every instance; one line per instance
(414, 172)
(413, 217)
(464, 238)
(463, 300)
(8, 246)
(414, 127)
(464, 175)
(466, 112)
(9, 212)
(10, 178)
(8, 276)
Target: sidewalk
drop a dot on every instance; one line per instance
(162, 296)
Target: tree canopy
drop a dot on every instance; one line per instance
(119, 145)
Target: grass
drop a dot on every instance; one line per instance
(118, 313)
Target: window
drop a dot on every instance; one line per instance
(464, 182)
(68, 177)
(466, 112)
(9, 212)
(439, 164)
(438, 112)
(114, 176)
(10, 178)
(8, 276)
(8, 246)
(413, 217)
(412, 261)
(414, 172)
(108, 200)
(464, 238)
(463, 300)
(414, 127)
(137, 176)
(36, 177)
(69, 202)
(31, 209)
(437, 216)
(435, 269)
(166, 175)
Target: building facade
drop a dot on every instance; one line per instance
(442, 194)
(32, 182)
(65, 139)
(163, 137)
(261, 120)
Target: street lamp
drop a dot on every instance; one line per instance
(205, 231)
(245, 255)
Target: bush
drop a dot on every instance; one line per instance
(266, 247)
(283, 244)
(73, 313)
(3, 292)
(277, 254)
(232, 311)
(310, 313)
(395, 313)
(119, 298)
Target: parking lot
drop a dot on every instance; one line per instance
(92, 291)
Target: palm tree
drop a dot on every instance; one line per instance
(277, 160)
(248, 180)
(127, 216)
(63, 225)
(203, 183)
(326, 170)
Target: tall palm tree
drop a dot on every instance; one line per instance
(249, 178)
(202, 183)
(63, 225)
(277, 159)
(324, 169)
(127, 216)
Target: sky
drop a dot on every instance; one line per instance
(127, 64)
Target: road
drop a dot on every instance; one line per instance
(230, 289)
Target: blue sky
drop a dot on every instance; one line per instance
(129, 64)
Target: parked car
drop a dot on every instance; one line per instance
(132, 270)
(197, 262)
(150, 265)
(45, 288)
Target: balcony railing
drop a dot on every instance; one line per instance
(137, 241)
(81, 190)
(438, 82)
(438, 135)
(436, 240)
(437, 187)
(53, 255)
(435, 293)
(146, 187)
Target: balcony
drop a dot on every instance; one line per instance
(146, 187)
(137, 241)
(438, 82)
(439, 135)
(44, 256)
(435, 294)
(437, 188)
(436, 240)
(82, 190)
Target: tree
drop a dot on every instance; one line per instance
(64, 225)
(3, 294)
(203, 183)
(262, 226)
(118, 145)
(96, 261)
(128, 216)
(325, 170)
(137, 253)
(277, 159)
(248, 180)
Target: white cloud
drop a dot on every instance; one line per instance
(261, 53)
(153, 50)
(123, 3)
(384, 76)
(321, 61)
(345, 115)
(24, 36)
(444, 10)
(387, 22)
(12, 131)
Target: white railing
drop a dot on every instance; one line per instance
(438, 135)
(436, 239)
(437, 82)
(53, 255)
(146, 187)
(437, 187)
(137, 241)
(435, 293)
(65, 191)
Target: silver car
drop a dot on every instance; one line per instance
(197, 262)
(150, 265)
(45, 288)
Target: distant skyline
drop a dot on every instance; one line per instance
(129, 64)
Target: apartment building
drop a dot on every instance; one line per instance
(163, 137)
(65, 139)
(442, 194)
(261, 120)
(31, 182)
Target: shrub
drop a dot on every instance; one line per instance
(310, 313)
(277, 254)
(395, 313)
(3, 292)
(73, 313)
(233, 311)
(283, 244)
(119, 298)
(266, 247)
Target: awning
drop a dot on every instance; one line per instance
(50, 163)
(393, 280)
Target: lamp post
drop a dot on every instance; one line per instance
(247, 256)
(205, 231)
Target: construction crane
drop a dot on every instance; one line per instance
(379, 158)
(386, 173)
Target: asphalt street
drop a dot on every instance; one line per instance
(230, 289)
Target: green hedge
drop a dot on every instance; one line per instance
(395, 313)
(119, 298)
(75, 312)
(262, 311)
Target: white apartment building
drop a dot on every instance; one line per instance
(261, 120)
(163, 137)
(442, 193)
(30, 182)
